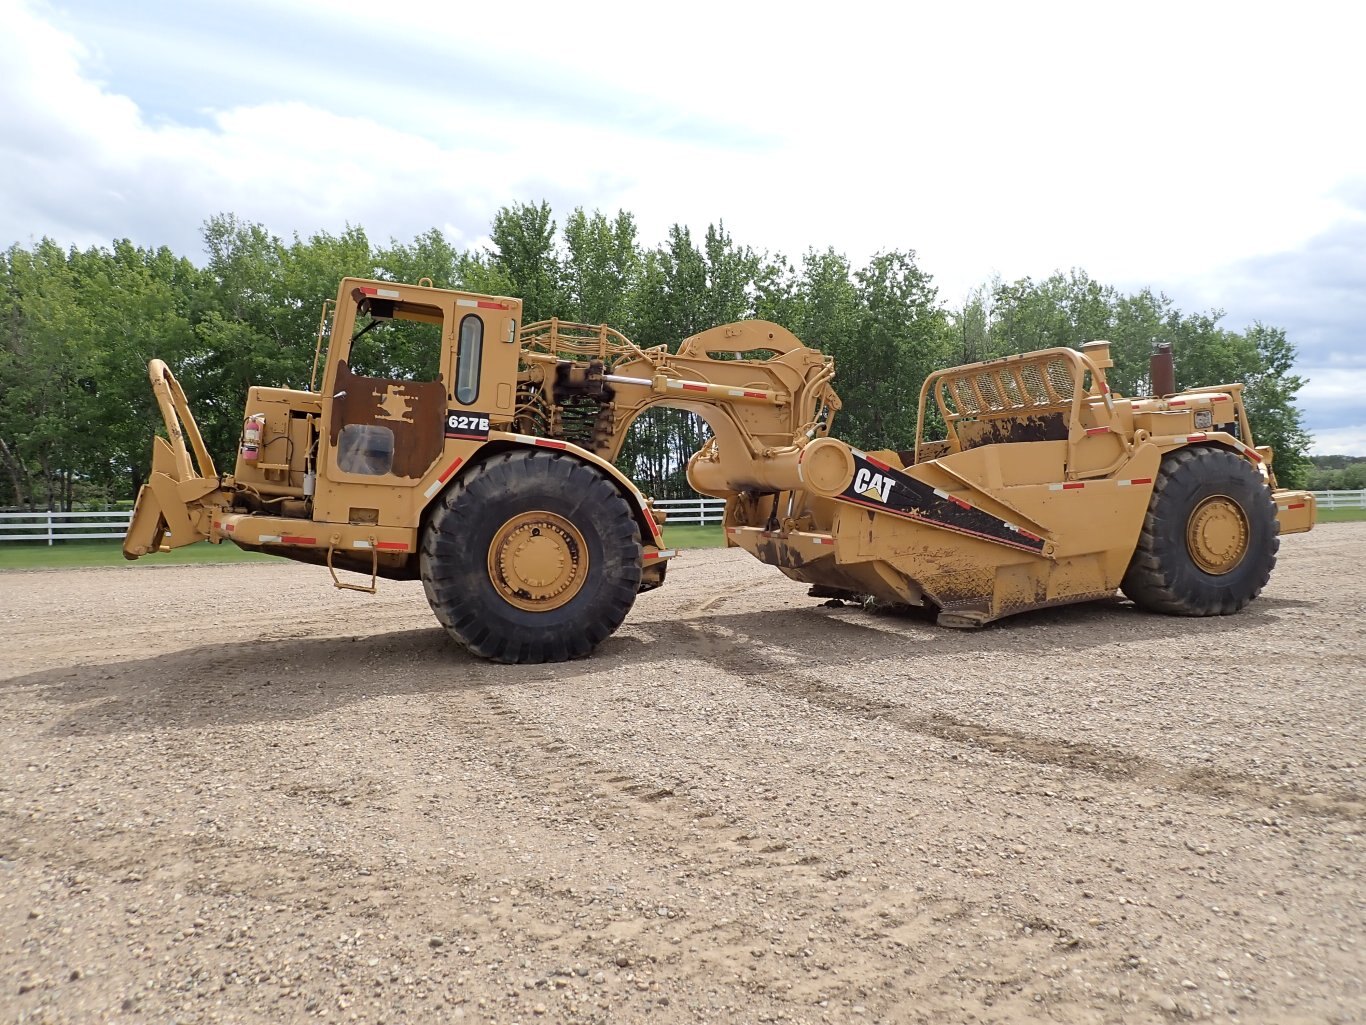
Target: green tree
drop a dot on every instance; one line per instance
(524, 251)
(602, 265)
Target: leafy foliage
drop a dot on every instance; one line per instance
(77, 328)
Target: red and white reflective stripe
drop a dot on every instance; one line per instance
(1133, 481)
(480, 304)
(1097, 430)
(527, 439)
(952, 498)
(1248, 451)
(1022, 532)
(667, 553)
(733, 530)
(823, 539)
(1197, 437)
(382, 293)
(1072, 485)
(437, 484)
(270, 539)
(392, 546)
(290, 539)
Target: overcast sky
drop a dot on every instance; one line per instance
(1213, 151)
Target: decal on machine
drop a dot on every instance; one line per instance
(467, 426)
(876, 485)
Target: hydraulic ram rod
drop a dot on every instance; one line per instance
(721, 391)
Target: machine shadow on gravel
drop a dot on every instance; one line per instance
(228, 684)
(283, 680)
(830, 636)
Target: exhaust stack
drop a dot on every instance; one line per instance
(1162, 370)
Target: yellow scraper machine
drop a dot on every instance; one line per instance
(488, 474)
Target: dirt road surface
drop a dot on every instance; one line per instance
(234, 794)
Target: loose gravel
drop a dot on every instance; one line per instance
(233, 794)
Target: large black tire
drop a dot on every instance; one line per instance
(532, 556)
(1209, 540)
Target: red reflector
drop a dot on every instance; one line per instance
(1097, 430)
(1296, 505)
(1141, 480)
(289, 540)
(451, 469)
(959, 502)
(397, 546)
(694, 387)
(546, 443)
(368, 289)
(756, 395)
(1073, 487)
(491, 306)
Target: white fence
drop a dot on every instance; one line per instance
(1340, 499)
(111, 525)
(64, 526)
(692, 510)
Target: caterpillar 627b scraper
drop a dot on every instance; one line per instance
(490, 475)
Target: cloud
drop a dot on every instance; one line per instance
(1349, 440)
(1202, 160)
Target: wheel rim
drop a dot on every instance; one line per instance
(538, 561)
(1217, 535)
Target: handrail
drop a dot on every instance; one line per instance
(1010, 389)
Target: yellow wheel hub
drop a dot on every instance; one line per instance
(1217, 535)
(538, 561)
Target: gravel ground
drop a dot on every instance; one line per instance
(235, 794)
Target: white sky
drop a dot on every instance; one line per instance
(1211, 150)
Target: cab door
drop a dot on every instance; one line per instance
(384, 427)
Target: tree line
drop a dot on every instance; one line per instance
(1336, 473)
(79, 326)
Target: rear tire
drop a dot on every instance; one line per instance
(1209, 540)
(531, 556)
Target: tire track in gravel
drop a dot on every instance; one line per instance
(759, 664)
(886, 939)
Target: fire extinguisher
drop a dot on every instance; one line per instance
(253, 431)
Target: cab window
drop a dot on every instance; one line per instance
(396, 341)
(469, 359)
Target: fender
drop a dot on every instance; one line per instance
(649, 529)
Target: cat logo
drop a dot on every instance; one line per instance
(872, 485)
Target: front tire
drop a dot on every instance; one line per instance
(531, 556)
(1209, 540)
